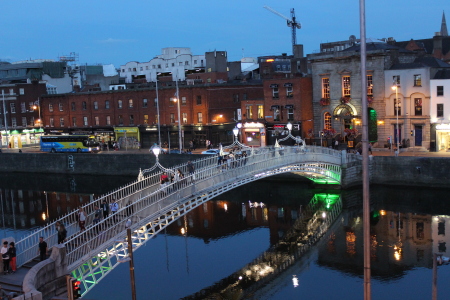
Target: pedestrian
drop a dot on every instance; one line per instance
(191, 146)
(191, 169)
(105, 208)
(97, 214)
(370, 148)
(5, 257)
(336, 144)
(164, 179)
(42, 249)
(82, 219)
(62, 232)
(12, 257)
(114, 207)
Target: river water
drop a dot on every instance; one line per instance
(225, 235)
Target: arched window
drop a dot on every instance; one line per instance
(327, 121)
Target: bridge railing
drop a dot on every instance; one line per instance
(164, 199)
(26, 247)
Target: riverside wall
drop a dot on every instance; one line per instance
(384, 170)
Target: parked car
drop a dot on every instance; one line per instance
(176, 151)
(214, 152)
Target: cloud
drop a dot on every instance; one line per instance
(111, 40)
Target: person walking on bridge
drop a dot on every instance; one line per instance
(5, 257)
(105, 209)
(114, 207)
(42, 249)
(82, 219)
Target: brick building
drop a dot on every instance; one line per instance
(19, 117)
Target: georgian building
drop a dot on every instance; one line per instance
(336, 89)
(440, 111)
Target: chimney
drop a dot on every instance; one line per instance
(437, 45)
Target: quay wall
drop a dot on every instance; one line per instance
(384, 170)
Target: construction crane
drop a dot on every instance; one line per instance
(290, 23)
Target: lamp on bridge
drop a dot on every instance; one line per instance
(236, 142)
(156, 149)
(297, 139)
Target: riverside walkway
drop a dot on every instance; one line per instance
(147, 208)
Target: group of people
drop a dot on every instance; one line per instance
(232, 159)
(99, 213)
(8, 257)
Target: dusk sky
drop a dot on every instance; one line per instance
(117, 31)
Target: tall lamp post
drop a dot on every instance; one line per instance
(38, 107)
(396, 106)
(179, 118)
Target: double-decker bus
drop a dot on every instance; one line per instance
(69, 143)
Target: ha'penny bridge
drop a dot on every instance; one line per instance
(96, 251)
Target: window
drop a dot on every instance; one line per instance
(244, 96)
(108, 120)
(85, 121)
(22, 91)
(199, 101)
(186, 63)
(289, 92)
(199, 117)
(184, 118)
(183, 101)
(130, 103)
(13, 122)
(172, 101)
(145, 119)
(11, 91)
(13, 108)
(290, 112)
(84, 105)
(95, 105)
(276, 114)
(144, 103)
(24, 121)
(156, 118)
(72, 106)
(52, 122)
(97, 120)
(275, 93)
(346, 91)
(195, 61)
(235, 98)
(440, 110)
(397, 107)
(327, 121)
(249, 112)
(326, 88)
(173, 64)
(134, 69)
(260, 112)
(32, 121)
(23, 107)
(131, 120)
(106, 104)
(141, 68)
(61, 122)
(439, 90)
(417, 106)
(60, 106)
(146, 67)
(120, 120)
(119, 104)
(50, 108)
(369, 85)
(418, 80)
(74, 121)
(396, 80)
(172, 118)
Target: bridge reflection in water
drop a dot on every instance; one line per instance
(308, 229)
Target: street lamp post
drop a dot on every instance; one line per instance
(38, 107)
(157, 109)
(396, 106)
(6, 123)
(179, 118)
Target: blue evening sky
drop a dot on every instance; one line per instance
(117, 31)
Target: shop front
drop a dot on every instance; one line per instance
(443, 137)
(254, 134)
(19, 137)
(127, 137)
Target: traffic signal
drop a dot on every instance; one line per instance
(76, 291)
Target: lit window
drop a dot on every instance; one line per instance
(327, 121)
(418, 80)
(369, 85)
(50, 108)
(61, 122)
(249, 112)
(184, 118)
(200, 117)
(130, 103)
(85, 121)
(346, 91)
(145, 119)
(326, 88)
(260, 112)
(97, 121)
(119, 104)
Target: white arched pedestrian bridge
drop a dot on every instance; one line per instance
(93, 253)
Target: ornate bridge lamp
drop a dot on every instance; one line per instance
(156, 151)
(236, 140)
(297, 139)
